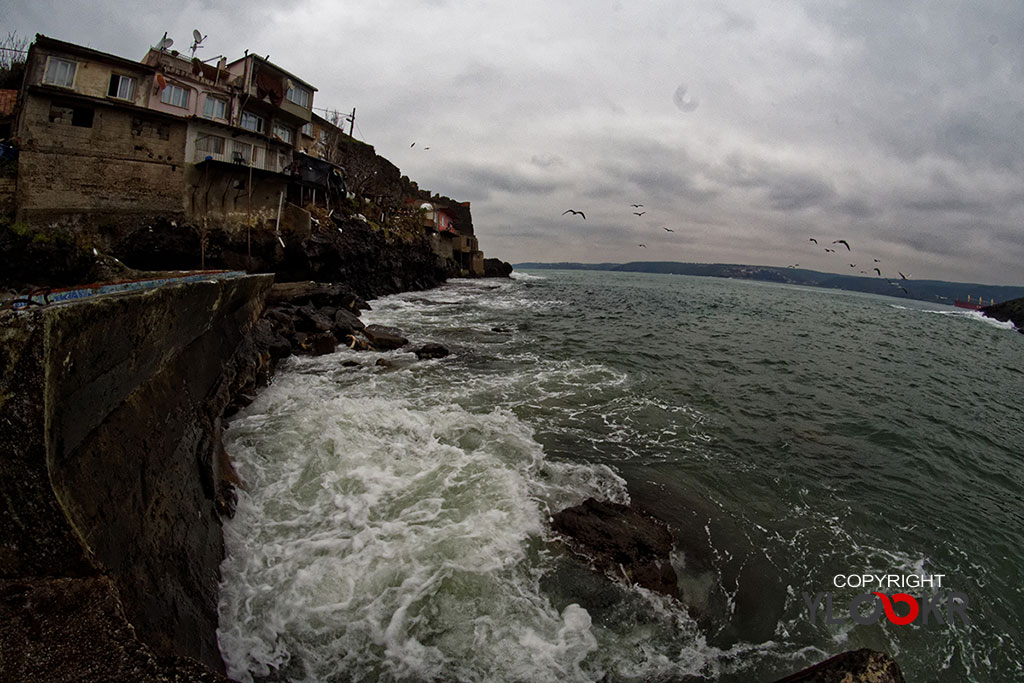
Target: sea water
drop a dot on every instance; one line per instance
(394, 524)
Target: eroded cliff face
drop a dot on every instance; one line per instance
(109, 443)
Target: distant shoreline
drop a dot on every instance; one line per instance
(933, 291)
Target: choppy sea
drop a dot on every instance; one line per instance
(394, 525)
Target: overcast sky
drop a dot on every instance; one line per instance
(745, 127)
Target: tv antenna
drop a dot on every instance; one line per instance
(197, 39)
(164, 43)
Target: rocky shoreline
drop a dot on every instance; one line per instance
(85, 623)
(1007, 311)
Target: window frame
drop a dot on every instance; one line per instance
(201, 140)
(53, 60)
(121, 79)
(260, 121)
(289, 138)
(290, 95)
(167, 93)
(212, 115)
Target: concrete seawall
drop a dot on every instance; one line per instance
(109, 443)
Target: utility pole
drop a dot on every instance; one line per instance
(352, 122)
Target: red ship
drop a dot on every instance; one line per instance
(975, 305)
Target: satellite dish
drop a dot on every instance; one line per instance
(164, 43)
(198, 38)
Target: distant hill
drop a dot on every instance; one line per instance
(938, 291)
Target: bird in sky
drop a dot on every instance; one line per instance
(639, 213)
(843, 242)
(412, 145)
(813, 240)
(795, 265)
(667, 229)
(903, 277)
(853, 265)
(574, 212)
(876, 261)
(637, 206)
(879, 272)
(831, 251)
(642, 245)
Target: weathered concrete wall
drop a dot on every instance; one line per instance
(109, 446)
(8, 186)
(123, 162)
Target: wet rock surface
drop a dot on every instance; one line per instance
(855, 666)
(1007, 311)
(385, 338)
(622, 542)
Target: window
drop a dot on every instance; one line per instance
(251, 122)
(284, 133)
(241, 153)
(211, 143)
(299, 96)
(121, 87)
(323, 136)
(215, 108)
(60, 72)
(69, 114)
(307, 130)
(175, 95)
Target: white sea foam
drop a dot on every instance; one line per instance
(384, 539)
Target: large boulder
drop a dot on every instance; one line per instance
(497, 268)
(622, 542)
(1007, 311)
(385, 338)
(431, 350)
(855, 666)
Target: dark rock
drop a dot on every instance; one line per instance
(1007, 311)
(856, 666)
(496, 268)
(431, 350)
(282, 317)
(620, 540)
(385, 338)
(345, 323)
(320, 344)
(309, 319)
(356, 341)
(76, 629)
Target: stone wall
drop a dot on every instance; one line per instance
(95, 161)
(109, 449)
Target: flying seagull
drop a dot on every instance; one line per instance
(642, 245)
(412, 145)
(831, 251)
(879, 272)
(902, 276)
(574, 212)
(843, 242)
(813, 240)
(793, 266)
(637, 206)
(877, 261)
(667, 229)
(639, 213)
(853, 265)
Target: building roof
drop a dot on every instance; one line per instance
(269, 63)
(87, 52)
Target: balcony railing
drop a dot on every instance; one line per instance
(262, 158)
